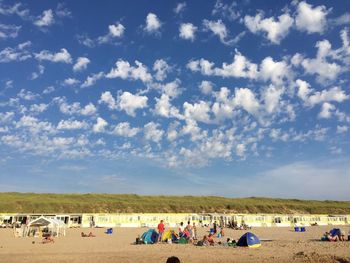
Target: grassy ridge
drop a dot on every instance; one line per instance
(112, 203)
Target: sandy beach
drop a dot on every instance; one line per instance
(278, 245)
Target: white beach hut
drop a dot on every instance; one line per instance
(45, 226)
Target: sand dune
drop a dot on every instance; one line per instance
(281, 245)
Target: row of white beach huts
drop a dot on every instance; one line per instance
(173, 219)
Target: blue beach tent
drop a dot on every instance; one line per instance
(150, 237)
(249, 240)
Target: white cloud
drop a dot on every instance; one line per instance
(34, 125)
(89, 109)
(81, 64)
(124, 129)
(326, 111)
(180, 7)
(206, 87)
(18, 53)
(161, 68)
(276, 72)
(49, 90)
(311, 98)
(9, 31)
(309, 19)
(226, 10)
(197, 111)
(319, 66)
(71, 82)
(62, 11)
(100, 125)
(153, 24)
(36, 75)
(86, 41)
(130, 103)
(27, 95)
(241, 67)
(164, 108)
(72, 125)
(16, 9)
(240, 150)
(62, 56)
(46, 19)
(152, 133)
(218, 28)
(107, 98)
(187, 31)
(114, 32)
(6, 116)
(245, 98)
(38, 108)
(344, 19)
(92, 79)
(275, 30)
(272, 96)
(342, 129)
(123, 70)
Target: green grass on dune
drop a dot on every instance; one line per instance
(130, 203)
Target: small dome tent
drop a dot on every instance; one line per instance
(150, 237)
(249, 240)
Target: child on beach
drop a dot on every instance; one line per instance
(161, 229)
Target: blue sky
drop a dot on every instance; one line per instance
(247, 98)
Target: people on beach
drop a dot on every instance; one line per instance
(194, 231)
(87, 235)
(161, 229)
(181, 229)
(48, 239)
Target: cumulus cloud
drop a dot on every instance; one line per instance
(161, 68)
(206, 87)
(326, 111)
(92, 79)
(228, 11)
(100, 125)
(72, 125)
(114, 32)
(9, 31)
(180, 7)
(219, 29)
(46, 19)
(124, 70)
(311, 19)
(311, 98)
(152, 132)
(274, 30)
(71, 82)
(37, 74)
(62, 56)
(130, 102)
(197, 111)
(15, 9)
(187, 31)
(124, 129)
(153, 24)
(19, 53)
(81, 64)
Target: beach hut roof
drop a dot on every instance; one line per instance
(43, 221)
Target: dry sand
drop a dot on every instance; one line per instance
(280, 245)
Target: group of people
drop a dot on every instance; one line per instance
(339, 236)
(189, 232)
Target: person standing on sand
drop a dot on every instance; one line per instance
(161, 229)
(194, 232)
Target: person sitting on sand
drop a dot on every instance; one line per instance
(83, 234)
(48, 239)
(205, 241)
(341, 235)
(329, 237)
(211, 240)
(91, 235)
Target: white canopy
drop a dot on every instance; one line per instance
(55, 227)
